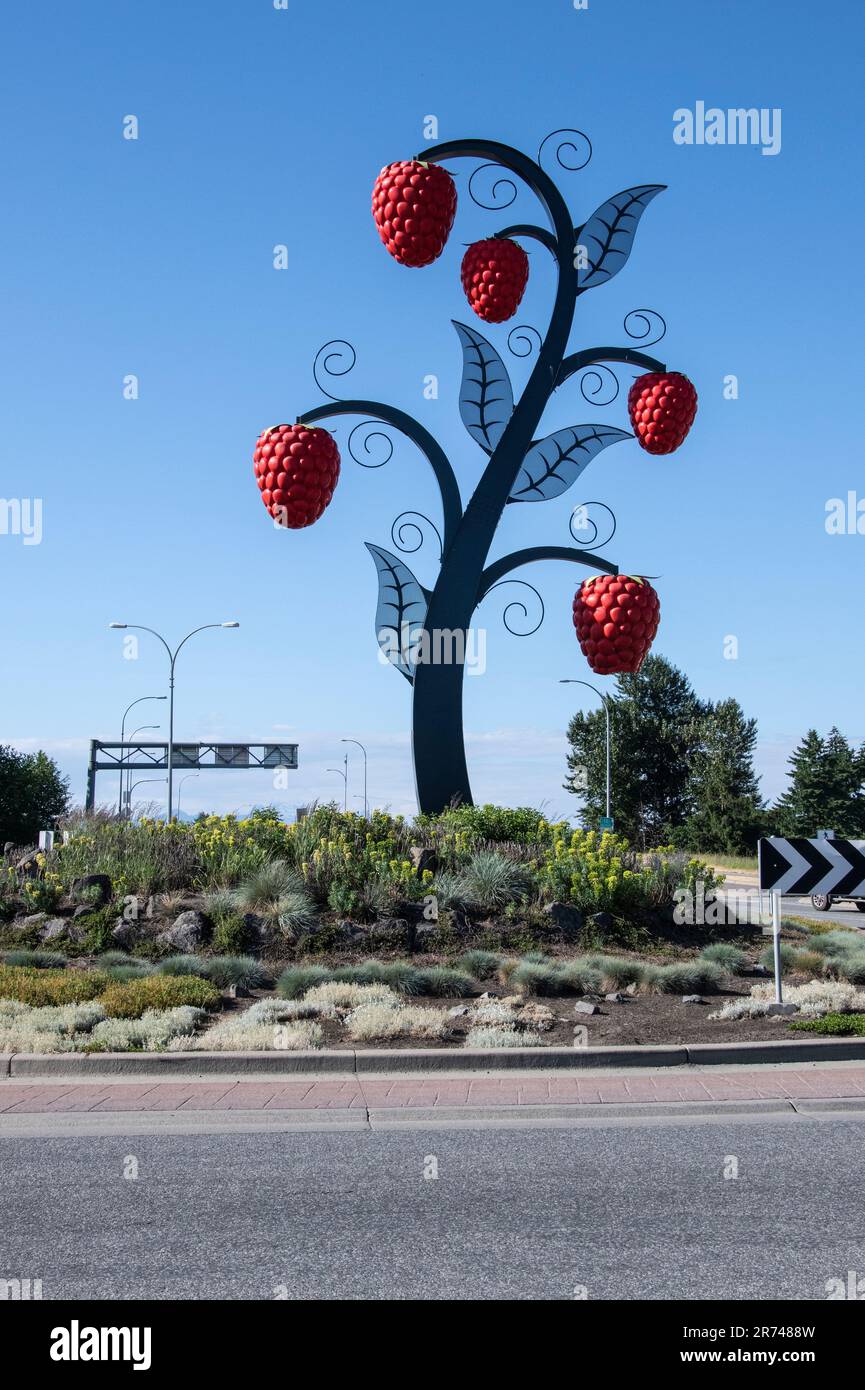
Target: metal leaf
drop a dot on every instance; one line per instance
(609, 234)
(486, 395)
(554, 463)
(401, 610)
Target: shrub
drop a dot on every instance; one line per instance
(792, 959)
(136, 997)
(814, 999)
(734, 961)
(580, 976)
(480, 964)
(107, 958)
(833, 1025)
(370, 1022)
(295, 980)
(342, 994)
(152, 1032)
(850, 967)
(240, 1035)
(135, 970)
(244, 971)
(38, 960)
(265, 885)
(46, 1029)
(689, 977)
(502, 1037)
(41, 987)
(616, 972)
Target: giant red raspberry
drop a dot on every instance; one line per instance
(662, 406)
(616, 617)
(494, 275)
(414, 206)
(297, 469)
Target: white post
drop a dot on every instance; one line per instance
(776, 943)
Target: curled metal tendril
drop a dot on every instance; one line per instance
(374, 433)
(582, 148)
(603, 375)
(520, 334)
(651, 319)
(402, 527)
(518, 604)
(502, 182)
(581, 514)
(336, 350)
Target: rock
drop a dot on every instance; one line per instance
(583, 1006)
(602, 920)
(783, 1009)
(28, 864)
(760, 970)
(616, 998)
(101, 882)
(422, 859)
(489, 994)
(85, 910)
(187, 932)
(692, 999)
(631, 989)
(237, 991)
(8, 847)
(52, 928)
(123, 932)
(33, 919)
(394, 932)
(565, 918)
(458, 1011)
(424, 935)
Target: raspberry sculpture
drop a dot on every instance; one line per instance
(494, 275)
(616, 618)
(662, 406)
(414, 206)
(297, 469)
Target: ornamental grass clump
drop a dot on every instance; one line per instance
(445, 982)
(37, 960)
(243, 971)
(689, 977)
(295, 980)
(734, 961)
(182, 965)
(479, 964)
(617, 972)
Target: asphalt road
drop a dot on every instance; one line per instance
(623, 1211)
(845, 914)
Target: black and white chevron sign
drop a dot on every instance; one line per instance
(803, 867)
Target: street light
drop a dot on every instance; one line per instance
(123, 736)
(180, 788)
(603, 697)
(363, 750)
(140, 783)
(172, 657)
(344, 776)
(142, 728)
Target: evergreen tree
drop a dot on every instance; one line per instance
(656, 719)
(728, 814)
(826, 788)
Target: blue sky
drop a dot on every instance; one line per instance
(154, 257)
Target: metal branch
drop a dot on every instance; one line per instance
(452, 507)
(525, 229)
(589, 356)
(494, 572)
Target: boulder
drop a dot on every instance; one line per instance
(565, 918)
(422, 859)
(33, 919)
(602, 920)
(616, 998)
(53, 927)
(188, 932)
(100, 882)
(124, 932)
(393, 932)
(28, 864)
(692, 999)
(458, 1011)
(583, 1006)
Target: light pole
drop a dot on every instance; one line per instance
(172, 657)
(180, 787)
(140, 783)
(344, 776)
(363, 750)
(142, 728)
(123, 737)
(601, 696)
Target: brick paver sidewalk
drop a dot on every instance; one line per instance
(820, 1082)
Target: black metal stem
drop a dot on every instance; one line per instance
(589, 356)
(494, 572)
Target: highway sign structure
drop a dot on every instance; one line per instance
(803, 868)
(137, 756)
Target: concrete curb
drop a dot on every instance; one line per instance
(383, 1061)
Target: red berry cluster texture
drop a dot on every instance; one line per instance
(494, 275)
(662, 406)
(616, 617)
(297, 469)
(414, 206)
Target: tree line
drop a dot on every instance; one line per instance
(683, 770)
